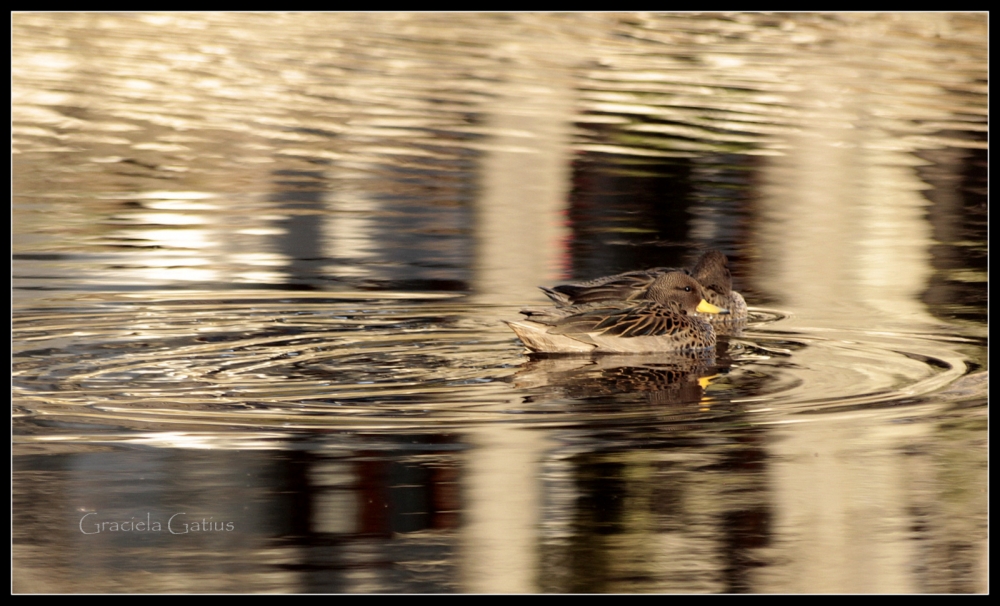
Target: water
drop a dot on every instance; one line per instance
(261, 263)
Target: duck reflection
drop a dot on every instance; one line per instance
(663, 378)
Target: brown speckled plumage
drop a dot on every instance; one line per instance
(662, 319)
(711, 271)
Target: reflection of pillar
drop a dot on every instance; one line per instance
(520, 223)
(350, 233)
(843, 232)
(843, 242)
(841, 490)
(502, 510)
(520, 244)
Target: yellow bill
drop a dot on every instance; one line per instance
(707, 308)
(706, 381)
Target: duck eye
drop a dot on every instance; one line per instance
(687, 289)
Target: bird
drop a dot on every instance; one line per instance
(711, 271)
(662, 319)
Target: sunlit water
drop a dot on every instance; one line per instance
(261, 264)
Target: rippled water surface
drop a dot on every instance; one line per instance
(261, 264)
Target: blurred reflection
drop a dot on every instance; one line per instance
(661, 378)
(502, 499)
(958, 214)
(843, 239)
(658, 510)
(849, 205)
(291, 521)
(521, 231)
(821, 215)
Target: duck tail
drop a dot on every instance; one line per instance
(557, 297)
(537, 339)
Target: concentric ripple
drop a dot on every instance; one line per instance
(364, 361)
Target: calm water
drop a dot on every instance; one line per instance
(261, 263)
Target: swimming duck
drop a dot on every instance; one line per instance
(662, 319)
(711, 271)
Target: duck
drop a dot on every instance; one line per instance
(711, 271)
(662, 319)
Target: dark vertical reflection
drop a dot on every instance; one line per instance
(657, 212)
(599, 509)
(376, 508)
(746, 522)
(959, 218)
(300, 194)
(658, 517)
(622, 221)
(722, 216)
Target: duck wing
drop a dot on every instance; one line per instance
(628, 286)
(643, 319)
